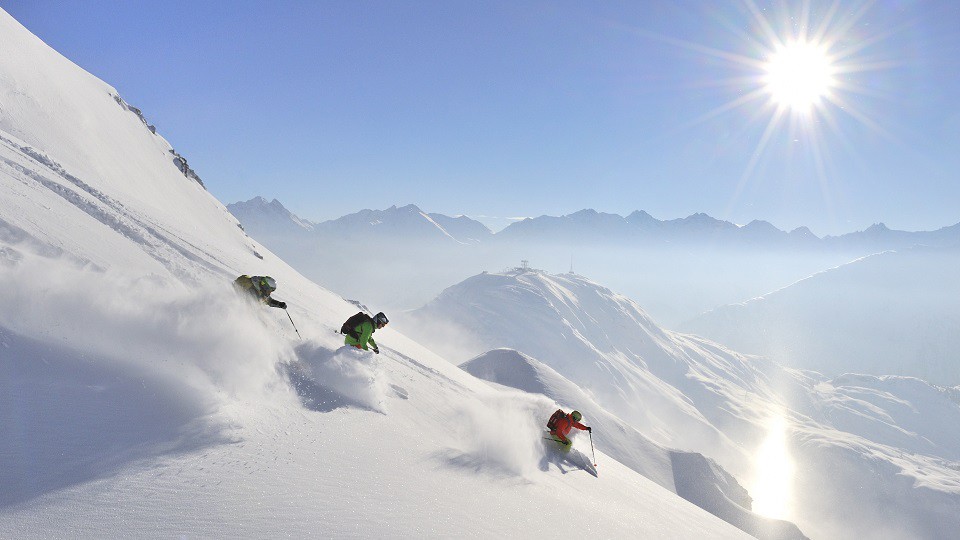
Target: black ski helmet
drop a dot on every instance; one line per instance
(266, 284)
(380, 319)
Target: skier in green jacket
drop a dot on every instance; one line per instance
(359, 330)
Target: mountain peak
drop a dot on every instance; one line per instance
(260, 216)
(701, 220)
(639, 214)
(759, 226)
(803, 233)
(408, 209)
(261, 204)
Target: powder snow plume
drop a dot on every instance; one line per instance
(208, 339)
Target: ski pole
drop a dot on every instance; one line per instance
(294, 324)
(591, 448)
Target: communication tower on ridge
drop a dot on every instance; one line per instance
(525, 265)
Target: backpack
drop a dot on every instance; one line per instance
(554, 418)
(244, 282)
(350, 325)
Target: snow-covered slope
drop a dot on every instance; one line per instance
(144, 451)
(601, 340)
(140, 397)
(690, 475)
(890, 313)
(803, 444)
(85, 175)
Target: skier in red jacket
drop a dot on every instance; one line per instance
(561, 423)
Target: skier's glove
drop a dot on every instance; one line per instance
(590, 429)
(376, 350)
(282, 305)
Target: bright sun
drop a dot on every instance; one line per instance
(798, 75)
(798, 69)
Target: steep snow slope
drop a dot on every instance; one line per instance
(105, 188)
(890, 313)
(690, 475)
(140, 397)
(803, 444)
(198, 435)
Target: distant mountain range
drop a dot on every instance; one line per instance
(894, 312)
(260, 217)
(677, 269)
(265, 219)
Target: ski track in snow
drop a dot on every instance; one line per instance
(108, 211)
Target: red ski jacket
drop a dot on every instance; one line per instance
(564, 425)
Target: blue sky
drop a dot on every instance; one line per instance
(507, 109)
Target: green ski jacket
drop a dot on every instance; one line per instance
(365, 330)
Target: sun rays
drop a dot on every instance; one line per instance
(797, 74)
